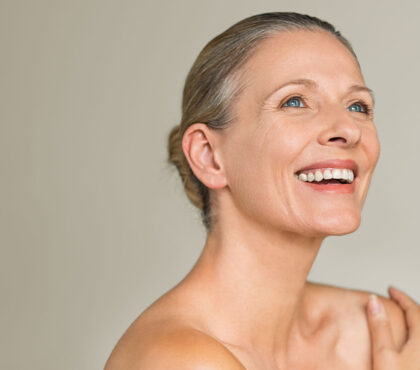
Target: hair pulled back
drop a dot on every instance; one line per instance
(213, 83)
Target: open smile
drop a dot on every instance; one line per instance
(335, 175)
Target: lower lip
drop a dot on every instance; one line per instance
(332, 188)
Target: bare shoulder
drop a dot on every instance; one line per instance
(353, 302)
(170, 334)
(168, 346)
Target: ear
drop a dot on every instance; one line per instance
(199, 143)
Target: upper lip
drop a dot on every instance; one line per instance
(333, 163)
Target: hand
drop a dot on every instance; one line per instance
(385, 354)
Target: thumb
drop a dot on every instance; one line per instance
(379, 327)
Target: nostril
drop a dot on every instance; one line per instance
(338, 139)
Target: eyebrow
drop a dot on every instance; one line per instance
(313, 85)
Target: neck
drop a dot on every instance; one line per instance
(253, 282)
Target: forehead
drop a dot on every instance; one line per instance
(316, 55)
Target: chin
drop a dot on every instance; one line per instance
(339, 224)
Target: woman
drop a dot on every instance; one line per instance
(277, 147)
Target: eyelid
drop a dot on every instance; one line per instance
(361, 100)
(366, 106)
(293, 96)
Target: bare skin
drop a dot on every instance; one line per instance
(247, 303)
(387, 354)
(175, 323)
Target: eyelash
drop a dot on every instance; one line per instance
(367, 109)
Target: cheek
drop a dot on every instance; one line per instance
(290, 139)
(371, 149)
(372, 146)
(261, 176)
(242, 158)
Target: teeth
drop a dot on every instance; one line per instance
(336, 174)
(303, 177)
(327, 175)
(332, 173)
(345, 174)
(318, 176)
(311, 177)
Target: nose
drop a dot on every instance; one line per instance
(340, 130)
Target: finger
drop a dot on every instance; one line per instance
(379, 327)
(405, 301)
(410, 307)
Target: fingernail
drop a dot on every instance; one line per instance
(375, 306)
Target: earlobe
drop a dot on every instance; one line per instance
(198, 145)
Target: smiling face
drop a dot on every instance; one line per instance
(304, 102)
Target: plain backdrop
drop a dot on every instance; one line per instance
(93, 225)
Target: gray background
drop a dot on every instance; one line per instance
(94, 227)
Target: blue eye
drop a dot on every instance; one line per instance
(359, 107)
(294, 102)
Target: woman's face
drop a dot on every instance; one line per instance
(304, 102)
